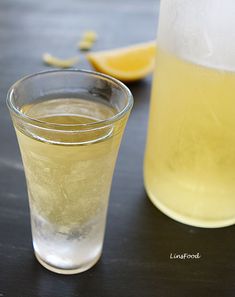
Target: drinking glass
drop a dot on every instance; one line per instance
(69, 125)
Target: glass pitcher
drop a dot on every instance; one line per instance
(190, 155)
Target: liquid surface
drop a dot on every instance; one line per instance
(68, 176)
(190, 155)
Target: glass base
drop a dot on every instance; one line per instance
(82, 268)
(202, 223)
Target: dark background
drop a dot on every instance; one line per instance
(139, 239)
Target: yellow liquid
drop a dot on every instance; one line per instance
(68, 173)
(190, 155)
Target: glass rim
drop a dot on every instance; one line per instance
(37, 122)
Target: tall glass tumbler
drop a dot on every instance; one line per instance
(69, 126)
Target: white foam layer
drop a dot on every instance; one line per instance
(201, 31)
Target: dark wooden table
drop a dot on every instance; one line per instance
(139, 239)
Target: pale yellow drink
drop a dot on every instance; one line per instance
(69, 176)
(190, 156)
(69, 124)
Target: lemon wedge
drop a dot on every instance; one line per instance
(60, 63)
(126, 64)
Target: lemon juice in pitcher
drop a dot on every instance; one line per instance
(190, 154)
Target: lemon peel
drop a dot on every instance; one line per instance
(60, 63)
(87, 41)
(85, 45)
(90, 36)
